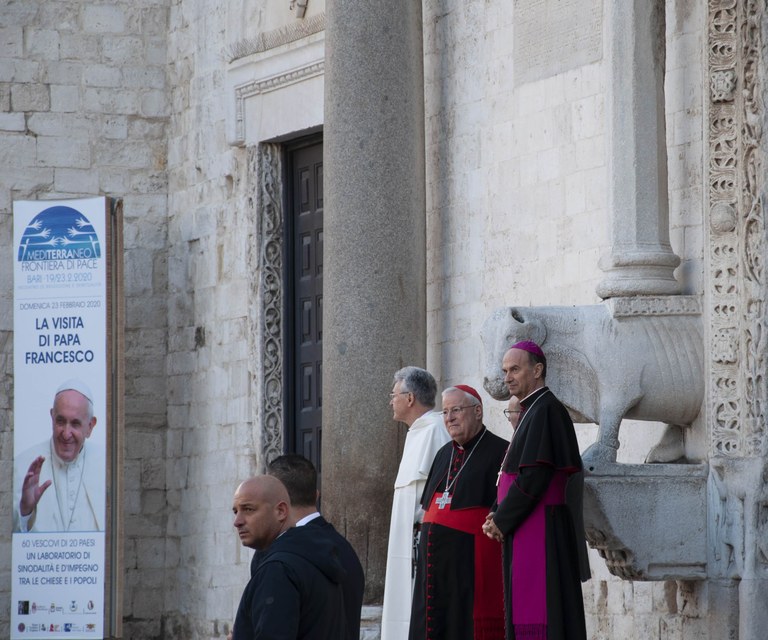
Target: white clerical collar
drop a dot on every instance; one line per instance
(535, 391)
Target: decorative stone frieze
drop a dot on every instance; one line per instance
(270, 295)
(277, 37)
(655, 306)
(255, 88)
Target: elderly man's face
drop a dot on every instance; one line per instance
(72, 424)
(398, 399)
(512, 412)
(462, 419)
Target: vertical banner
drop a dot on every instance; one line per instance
(61, 420)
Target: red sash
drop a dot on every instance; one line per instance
(488, 606)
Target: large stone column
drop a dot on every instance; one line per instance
(640, 261)
(374, 280)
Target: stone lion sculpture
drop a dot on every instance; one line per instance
(605, 368)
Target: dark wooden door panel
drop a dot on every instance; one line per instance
(304, 301)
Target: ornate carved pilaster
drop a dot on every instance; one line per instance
(738, 393)
(264, 169)
(751, 185)
(736, 226)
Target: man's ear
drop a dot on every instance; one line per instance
(538, 369)
(282, 510)
(91, 425)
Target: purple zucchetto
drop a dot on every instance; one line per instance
(530, 347)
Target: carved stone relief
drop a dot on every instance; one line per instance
(738, 395)
(726, 533)
(722, 85)
(738, 521)
(270, 296)
(276, 38)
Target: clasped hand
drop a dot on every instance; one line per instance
(491, 530)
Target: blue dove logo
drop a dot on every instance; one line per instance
(59, 233)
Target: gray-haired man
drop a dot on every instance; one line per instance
(413, 402)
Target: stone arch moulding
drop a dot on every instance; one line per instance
(258, 88)
(275, 83)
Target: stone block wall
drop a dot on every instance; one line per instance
(210, 445)
(84, 112)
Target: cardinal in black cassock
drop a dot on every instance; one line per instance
(458, 586)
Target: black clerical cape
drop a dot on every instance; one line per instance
(539, 513)
(458, 586)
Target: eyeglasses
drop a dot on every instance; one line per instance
(508, 412)
(454, 411)
(397, 393)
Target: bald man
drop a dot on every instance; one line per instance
(296, 590)
(299, 477)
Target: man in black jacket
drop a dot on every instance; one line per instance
(295, 592)
(299, 477)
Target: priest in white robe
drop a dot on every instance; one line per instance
(413, 402)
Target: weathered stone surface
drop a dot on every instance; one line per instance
(373, 257)
(648, 522)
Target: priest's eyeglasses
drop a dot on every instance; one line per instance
(397, 393)
(508, 413)
(454, 411)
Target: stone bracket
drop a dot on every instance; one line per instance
(648, 521)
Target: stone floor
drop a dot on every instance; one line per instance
(370, 623)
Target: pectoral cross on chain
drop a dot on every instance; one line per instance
(443, 500)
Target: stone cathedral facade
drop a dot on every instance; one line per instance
(486, 167)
